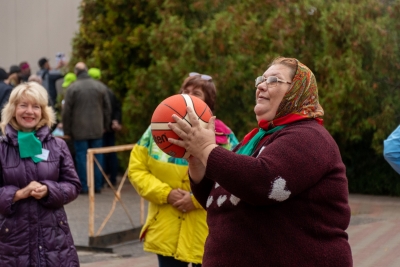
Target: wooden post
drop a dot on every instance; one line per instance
(90, 181)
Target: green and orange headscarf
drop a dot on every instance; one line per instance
(299, 103)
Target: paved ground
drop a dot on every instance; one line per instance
(374, 231)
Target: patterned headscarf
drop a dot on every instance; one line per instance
(302, 98)
(299, 103)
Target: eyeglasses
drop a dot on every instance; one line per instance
(272, 81)
(202, 76)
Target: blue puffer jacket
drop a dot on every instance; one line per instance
(36, 232)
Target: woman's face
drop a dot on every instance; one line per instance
(268, 98)
(28, 114)
(194, 91)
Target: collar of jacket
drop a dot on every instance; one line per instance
(82, 75)
(12, 135)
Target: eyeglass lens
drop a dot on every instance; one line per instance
(272, 81)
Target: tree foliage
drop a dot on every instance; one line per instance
(147, 48)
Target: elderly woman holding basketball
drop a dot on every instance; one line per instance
(281, 197)
(175, 227)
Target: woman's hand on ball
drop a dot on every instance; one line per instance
(198, 141)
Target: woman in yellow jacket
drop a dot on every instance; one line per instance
(175, 227)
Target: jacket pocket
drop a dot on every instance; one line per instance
(5, 227)
(149, 223)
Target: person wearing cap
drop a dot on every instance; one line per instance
(69, 78)
(110, 159)
(86, 115)
(25, 71)
(5, 89)
(49, 77)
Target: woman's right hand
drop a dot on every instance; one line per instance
(197, 140)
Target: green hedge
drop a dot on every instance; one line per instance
(147, 48)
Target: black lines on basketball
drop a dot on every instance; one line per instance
(173, 110)
(202, 113)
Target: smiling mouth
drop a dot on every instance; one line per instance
(29, 119)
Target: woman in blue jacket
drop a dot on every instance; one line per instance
(37, 178)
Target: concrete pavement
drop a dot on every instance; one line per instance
(374, 231)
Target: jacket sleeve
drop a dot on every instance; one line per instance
(391, 149)
(106, 108)
(68, 186)
(7, 194)
(201, 191)
(145, 183)
(67, 111)
(115, 106)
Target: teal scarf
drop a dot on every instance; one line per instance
(249, 148)
(29, 146)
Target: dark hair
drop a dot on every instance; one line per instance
(14, 69)
(42, 61)
(3, 74)
(291, 63)
(207, 86)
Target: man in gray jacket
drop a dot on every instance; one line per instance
(86, 115)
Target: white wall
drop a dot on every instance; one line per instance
(31, 29)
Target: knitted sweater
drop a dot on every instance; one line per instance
(285, 206)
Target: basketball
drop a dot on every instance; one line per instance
(162, 115)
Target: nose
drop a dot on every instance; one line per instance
(29, 108)
(262, 87)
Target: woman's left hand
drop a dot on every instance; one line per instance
(185, 204)
(197, 140)
(40, 192)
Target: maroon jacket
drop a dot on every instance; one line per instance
(36, 232)
(287, 205)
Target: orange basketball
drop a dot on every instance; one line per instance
(162, 115)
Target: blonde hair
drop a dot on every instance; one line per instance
(31, 91)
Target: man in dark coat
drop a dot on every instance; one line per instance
(86, 115)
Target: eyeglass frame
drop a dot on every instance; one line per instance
(202, 76)
(265, 79)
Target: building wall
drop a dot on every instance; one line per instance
(31, 29)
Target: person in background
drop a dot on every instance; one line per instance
(68, 79)
(49, 77)
(14, 76)
(86, 115)
(110, 159)
(37, 179)
(391, 149)
(281, 197)
(35, 78)
(175, 227)
(25, 71)
(5, 89)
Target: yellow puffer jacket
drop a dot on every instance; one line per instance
(167, 230)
